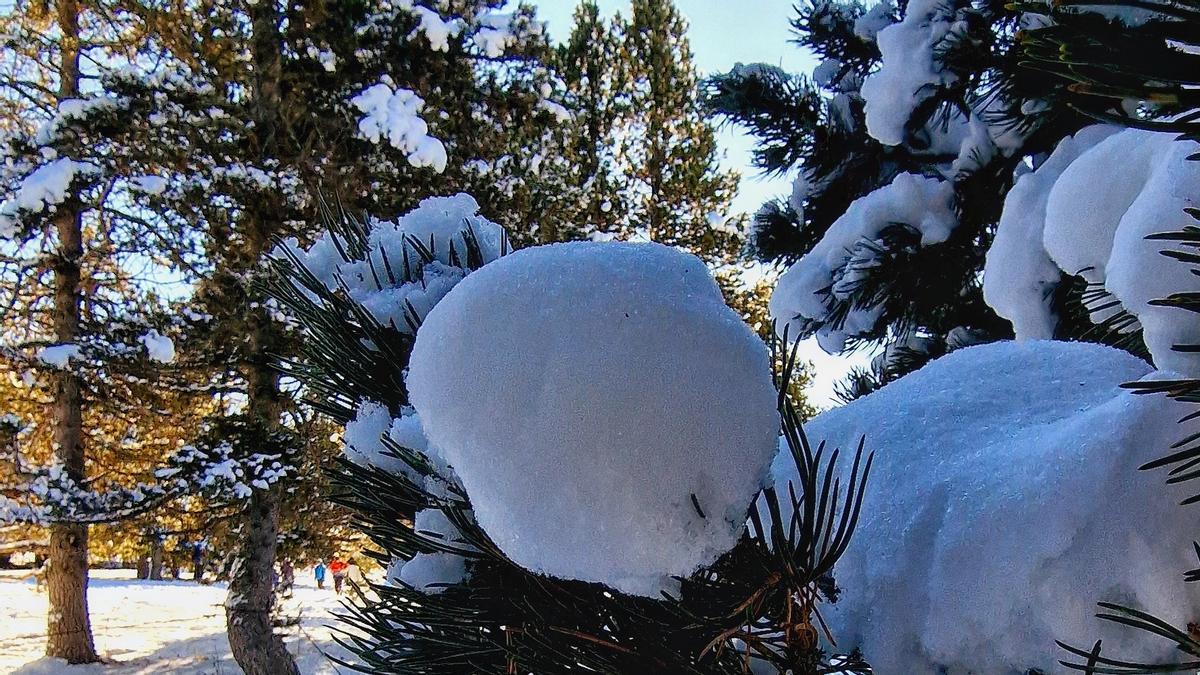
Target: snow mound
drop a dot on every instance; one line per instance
(1004, 503)
(594, 399)
(849, 251)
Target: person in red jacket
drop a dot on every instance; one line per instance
(337, 567)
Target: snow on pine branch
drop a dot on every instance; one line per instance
(912, 74)
(41, 190)
(392, 115)
(829, 276)
(492, 33)
(159, 347)
(409, 263)
(47, 494)
(909, 72)
(1088, 210)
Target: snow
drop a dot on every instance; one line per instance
(159, 347)
(867, 26)
(74, 110)
(500, 31)
(363, 444)
(151, 185)
(1130, 185)
(845, 255)
(432, 572)
(393, 115)
(435, 29)
(907, 70)
(571, 388)
(442, 225)
(557, 110)
(44, 188)
(1018, 276)
(59, 355)
(150, 627)
(1004, 502)
(1088, 210)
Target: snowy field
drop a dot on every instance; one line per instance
(144, 627)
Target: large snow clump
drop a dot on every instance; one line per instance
(610, 418)
(1005, 501)
(1102, 194)
(849, 251)
(1019, 277)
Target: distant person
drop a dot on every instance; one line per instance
(337, 567)
(319, 573)
(353, 573)
(287, 578)
(197, 561)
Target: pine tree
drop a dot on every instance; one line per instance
(961, 111)
(371, 104)
(82, 385)
(642, 152)
(755, 604)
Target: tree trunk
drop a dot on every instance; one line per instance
(258, 649)
(68, 629)
(156, 558)
(256, 646)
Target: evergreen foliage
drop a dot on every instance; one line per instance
(929, 297)
(758, 603)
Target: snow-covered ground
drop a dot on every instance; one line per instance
(144, 627)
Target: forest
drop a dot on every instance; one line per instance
(453, 336)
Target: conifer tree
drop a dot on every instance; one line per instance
(945, 99)
(371, 104)
(82, 345)
(644, 155)
(454, 602)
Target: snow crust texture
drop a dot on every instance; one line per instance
(1006, 501)
(571, 389)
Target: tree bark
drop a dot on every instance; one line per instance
(257, 648)
(156, 558)
(68, 629)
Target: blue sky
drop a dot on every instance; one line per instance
(722, 33)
